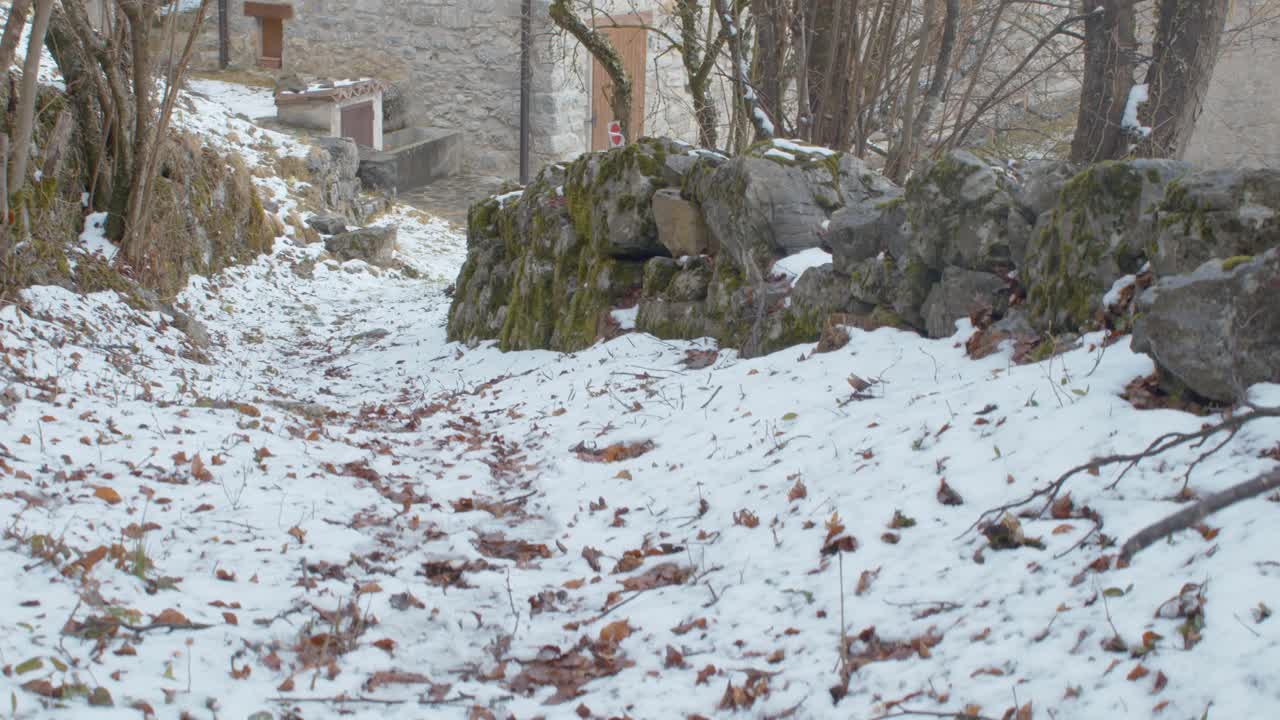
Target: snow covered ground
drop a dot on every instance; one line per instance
(331, 510)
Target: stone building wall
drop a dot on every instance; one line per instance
(458, 64)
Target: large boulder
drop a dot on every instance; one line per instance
(963, 214)
(1216, 214)
(1216, 330)
(375, 245)
(673, 301)
(958, 294)
(327, 224)
(610, 196)
(865, 231)
(1099, 230)
(772, 202)
(483, 288)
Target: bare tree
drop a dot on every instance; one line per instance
(13, 31)
(20, 144)
(699, 58)
(1185, 51)
(598, 44)
(111, 77)
(1109, 61)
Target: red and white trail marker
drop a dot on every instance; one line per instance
(615, 134)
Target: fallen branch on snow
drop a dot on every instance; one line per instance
(956, 715)
(1203, 508)
(1168, 441)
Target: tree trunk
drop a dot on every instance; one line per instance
(12, 32)
(1108, 80)
(771, 49)
(598, 45)
(1188, 35)
(85, 99)
(25, 121)
(899, 162)
(941, 71)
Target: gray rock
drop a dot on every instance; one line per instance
(681, 229)
(690, 284)
(374, 245)
(328, 224)
(333, 164)
(958, 293)
(1100, 230)
(1216, 214)
(762, 206)
(1040, 183)
(194, 329)
(963, 214)
(1216, 330)
(862, 232)
(612, 193)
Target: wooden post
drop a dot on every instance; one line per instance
(224, 40)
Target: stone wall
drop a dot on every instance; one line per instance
(458, 63)
(799, 242)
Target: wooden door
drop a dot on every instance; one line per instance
(357, 123)
(632, 45)
(272, 42)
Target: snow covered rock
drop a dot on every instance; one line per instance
(1217, 329)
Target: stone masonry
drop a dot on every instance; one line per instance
(458, 64)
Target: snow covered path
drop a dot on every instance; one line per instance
(331, 510)
(341, 505)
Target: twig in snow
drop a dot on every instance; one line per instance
(952, 714)
(713, 397)
(170, 626)
(1164, 443)
(1187, 517)
(339, 700)
(511, 599)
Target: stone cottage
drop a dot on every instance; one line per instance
(456, 65)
